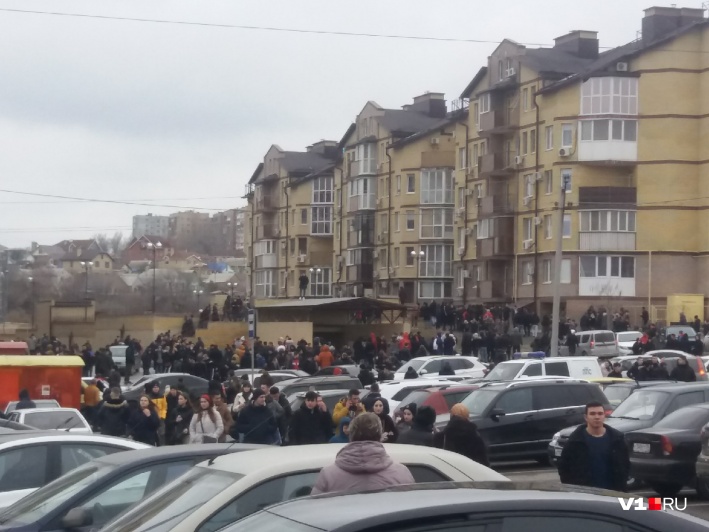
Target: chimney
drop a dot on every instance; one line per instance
(579, 43)
(432, 104)
(659, 21)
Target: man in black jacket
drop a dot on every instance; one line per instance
(682, 372)
(256, 422)
(596, 454)
(311, 423)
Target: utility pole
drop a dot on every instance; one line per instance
(556, 311)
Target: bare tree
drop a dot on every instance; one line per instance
(103, 241)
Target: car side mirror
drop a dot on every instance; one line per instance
(496, 413)
(423, 372)
(77, 518)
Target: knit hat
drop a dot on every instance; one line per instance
(257, 393)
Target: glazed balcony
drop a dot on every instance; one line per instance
(499, 121)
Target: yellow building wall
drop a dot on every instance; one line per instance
(271, 331)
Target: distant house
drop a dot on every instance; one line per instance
(78, 254)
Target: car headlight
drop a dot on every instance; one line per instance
(555, 438)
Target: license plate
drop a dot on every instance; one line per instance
(557, 452)
(641, 447)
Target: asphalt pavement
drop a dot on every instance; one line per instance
(533, 471)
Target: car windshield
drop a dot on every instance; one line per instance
(51, 496)
(60, 419)
(164, 509)
(628, 336)
(416, 364)
(416, 396)
(640, 405)
(504, 372)
(617, 394)
(479, 400)
(684, 418)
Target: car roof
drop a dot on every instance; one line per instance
(318, 378)
(59, 409)
(670, 387)
(436, 357)
(595, 331)
(139, 456)
(549, 359)
(60, 434)
(327, 393)
(421, 501)
(536, 382)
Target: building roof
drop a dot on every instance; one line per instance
(474, 82)
(256, 173)
(442, 122)
(406, 122)
(551, 60)
(335, 303)
(303, 161)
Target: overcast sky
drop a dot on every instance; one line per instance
(181, 115)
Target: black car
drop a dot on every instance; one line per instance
(328, 382)
(518, 419)
(620, 391)
(465, 507)
(643, 409)
(196, 386)
(664, 456)
(96, 492)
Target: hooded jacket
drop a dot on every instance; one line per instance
(461, 436)
(341, 410)
(310, 426)
(144, 428)
(325, 358)
(112, 417)
(341, 437)
(177, 433)
(257, 424)
(360, 466)
(682, 372)
(421, 432)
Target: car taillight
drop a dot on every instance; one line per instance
(608, 411)
(700, 366)
(666, 445)
(592, 344)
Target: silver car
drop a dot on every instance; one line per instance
(600, 344)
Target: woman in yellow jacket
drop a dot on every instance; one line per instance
(153, 391)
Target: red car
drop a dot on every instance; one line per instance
(440, 398)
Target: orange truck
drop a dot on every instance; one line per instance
(44, 377)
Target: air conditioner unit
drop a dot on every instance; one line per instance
(461, 251)
(459, 213)
(301, 259)
(538, 176)
(461, 210)
(466, 274)
(480, 192)
(564, 152)
(526, 201)
(470, 192)
(392, 271)
(460, 291)
(510, 72)
(277, 232)
(375, 254)
(435, 141)
(537, 220)
(621, 66)
(284, 244)
(527, 244)
(340, 261)
(375, 275)
(469, 231)
(519, 160)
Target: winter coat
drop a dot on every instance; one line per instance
(360, 466)
(461, 436)
(204, 426)
(341, 437)
(325, 358)
(417, 435)
(683, 373)
(240, 402)
(257, 424)
(227, 421)
(388, 428)
(310, 426)
(341, 410)
(112, 417)
(177, 434)
(160, 405)
(144, 428)
(574, 466)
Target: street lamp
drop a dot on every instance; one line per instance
(198, 293)
(231, 288)
(31, 280)
(86, 265)
(315, 271)
(417, 256)
(155, 248)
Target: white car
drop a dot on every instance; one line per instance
(66, 419)
(395, 391)
(39, 403)
(626, 340)
(219, 492)
(429, 367)
(32, 459)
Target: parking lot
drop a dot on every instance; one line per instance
(533, 471)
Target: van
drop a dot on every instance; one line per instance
(600, 344)
(118, 355)
(573, 367)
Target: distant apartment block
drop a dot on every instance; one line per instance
(150, 224)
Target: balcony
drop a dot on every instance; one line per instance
(363, 167)
(611, 153)
(267, 231)
(266, 261)
(267, 203)
(495, 246)
(490, 290)
(360, 273)
(500, 164)
(498, 204)
(499, 122)
(606, 241)
(363, 202)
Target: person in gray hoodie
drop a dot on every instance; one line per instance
(363, 464)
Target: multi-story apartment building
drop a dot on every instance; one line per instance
(185, 227)
(366, 202)
(150, 224)
(290, 222)
(626, 132)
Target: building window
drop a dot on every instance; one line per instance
(603, 130)
(366, 155)
(567, 226)
(527, 272)
(409, 256)
(548, 181)
(462, 159)
(304, 216)
(547, 226)
(265, 247)
(533, 141)
(410, 183)
(523, 148)
(461, 237)
(608, 221)
(527, 224)
(546, 271)
(485, 103)
(566, 179)
(549, 135)
(107, 264)
(410, 220)
(485, 228)
(434, 289)
(529, 186)
(320, 282)
(323, 190)
(265, 283)
(565, 271)
(398, 185)
(436, 186)
(461, 197)
(382, 258)
(476, 117)
(302, 245)
(461, 277)
(567, 135)
(525, 99)
(609, 95)
(607, 266)
(395, 217)
(436, 223)
(322, 221)
(395, 258)
(436, 260)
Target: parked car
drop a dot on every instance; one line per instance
(39, 403)
(601, 344)
(333, 382)
(329, 397)
(465, 507)
(440, 398)
(395, 391)
(518, 419)
(347, 369)
(664, 333)
(211, 496)
(626, 340)
(669, 359)
(643, 409)
(665, 455)
(618, 392)
(195, 385)
(702, 467)
(14, 425)
(32, 459)
(67, 419)
(574, 367)
(96, 492)
(276, 376)
(429, 367)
